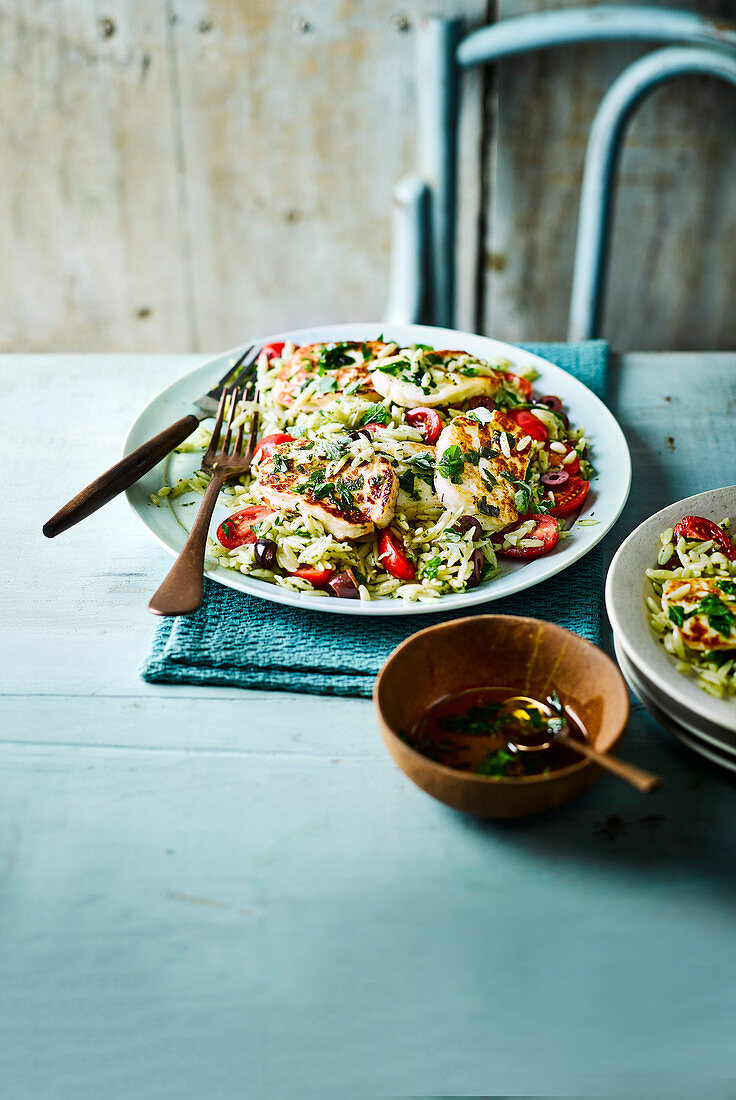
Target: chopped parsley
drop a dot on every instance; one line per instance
(506, 399)
(336, 356)
(406, 481)
(729, 587)
(429, 568)
(333, 448)
(451, 464)
(483, 506)
(523, 497)
(340, 492)
(718, 615)
(281, 463)
(374, 414)
(391, 368)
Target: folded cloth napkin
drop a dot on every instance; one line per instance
(242, 641)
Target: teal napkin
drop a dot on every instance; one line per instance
(236, 640)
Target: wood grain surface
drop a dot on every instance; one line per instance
(214, 892)
(181, 175)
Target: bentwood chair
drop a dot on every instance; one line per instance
(422, 278)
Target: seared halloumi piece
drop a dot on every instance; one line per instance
(472, 461)
(420, 376)
(349, 503)
(413, 464)
(704, 613)
(333, 367)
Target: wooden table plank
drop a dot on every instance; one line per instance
(228, 893)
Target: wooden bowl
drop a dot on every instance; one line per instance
(527, 656)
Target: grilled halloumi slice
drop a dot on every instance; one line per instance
(703, 611)
(413, 377)
(413, 464)
(332, 367)
(474, 464)
(349, 503)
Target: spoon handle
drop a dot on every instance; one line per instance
(637, 777)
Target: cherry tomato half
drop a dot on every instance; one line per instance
(556, 458)
(392, 555)
(273, 351)
(570, 497)
(317, 577)
(269, 443)
(428, 420)
(545, 530)
(529, 423)
(236, 529)
(373, 426)
(523, 385)
(696, 527)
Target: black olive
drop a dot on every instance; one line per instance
(470, 523)
(360, 432)
(551, 402)
(479, 561)
(265, 553)
(482, 403)
(345, 585)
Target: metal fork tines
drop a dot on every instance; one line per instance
(182, 591)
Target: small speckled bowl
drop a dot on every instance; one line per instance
(526, 656)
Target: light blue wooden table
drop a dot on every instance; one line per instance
(215, 893)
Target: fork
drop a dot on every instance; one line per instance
(124, 473)
(182, 591)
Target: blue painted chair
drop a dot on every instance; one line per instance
(422, 279)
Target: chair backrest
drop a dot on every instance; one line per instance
(423, 278)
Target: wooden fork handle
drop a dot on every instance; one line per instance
(120, 476)
(182, 591)
(637, 777)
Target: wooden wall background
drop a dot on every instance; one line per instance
(178, 174)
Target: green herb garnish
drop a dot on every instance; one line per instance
(336, 356)
(374, 414)
(451, 464)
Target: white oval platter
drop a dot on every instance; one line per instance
(169, 524)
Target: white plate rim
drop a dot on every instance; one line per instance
(682, 733)
(626, 605)
(638, 683)
(175, 399)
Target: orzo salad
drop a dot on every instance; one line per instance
(396, 472)
(693, 609)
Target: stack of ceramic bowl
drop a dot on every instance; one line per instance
(705, 723)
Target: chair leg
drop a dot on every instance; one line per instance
(407, 292)
(609, 125)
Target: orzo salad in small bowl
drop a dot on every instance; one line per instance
(671, 599)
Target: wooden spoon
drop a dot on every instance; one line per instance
(526, 738)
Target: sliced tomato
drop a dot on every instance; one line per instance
(392, 555)
(696, 527)
(570, 497)
(428, 420)
(529, 423)
(373, 426)
(236, 529)
(273, 351)
(556, 458)
(523, 385)
(545, 530)
(269, 443)
(318, 577)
